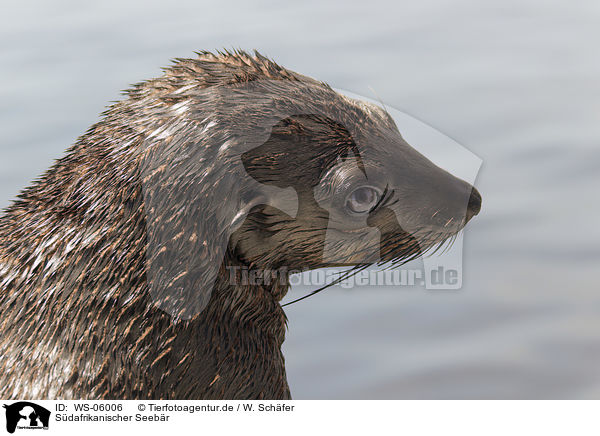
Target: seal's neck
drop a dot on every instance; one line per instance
(91, 322)
(230, 350)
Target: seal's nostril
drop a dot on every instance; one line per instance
(474, 203)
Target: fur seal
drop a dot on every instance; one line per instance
(115, 265)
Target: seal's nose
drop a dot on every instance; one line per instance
(474, 205)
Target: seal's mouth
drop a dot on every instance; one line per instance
(397, 249)
(401, 231)
(396, 246)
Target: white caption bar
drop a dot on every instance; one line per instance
(299, 417)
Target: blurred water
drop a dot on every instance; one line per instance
(516, 82)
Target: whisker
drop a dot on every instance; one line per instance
(347, 274)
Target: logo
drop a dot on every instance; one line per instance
(26, 415)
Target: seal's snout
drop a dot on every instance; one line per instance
(474, 205)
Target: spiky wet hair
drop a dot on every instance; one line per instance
(222, 68)
(120, 194)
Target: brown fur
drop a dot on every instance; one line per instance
(98, 256)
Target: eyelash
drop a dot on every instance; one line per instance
(384, 200)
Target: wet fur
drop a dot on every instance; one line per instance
(80, 319)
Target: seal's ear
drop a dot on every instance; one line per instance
(196, 195)
(193, 204)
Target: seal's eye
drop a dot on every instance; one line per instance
(362, 200)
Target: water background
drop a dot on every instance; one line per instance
(516, 82)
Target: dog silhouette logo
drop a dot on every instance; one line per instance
(26, 415)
